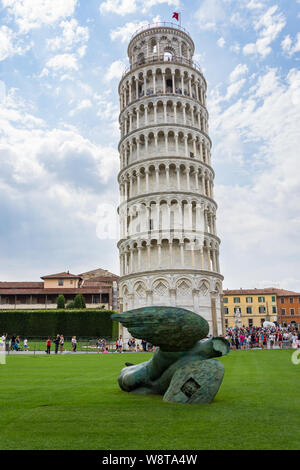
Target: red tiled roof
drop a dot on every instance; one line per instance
(267, 290)
(21, 285)
(99, 274)
(99, 285)
(82, 290)
(63, 275)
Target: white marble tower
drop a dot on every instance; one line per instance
(169, 249)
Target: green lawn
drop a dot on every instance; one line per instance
(74, 402)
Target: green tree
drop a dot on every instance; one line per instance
(70, 305)
(61, 301)
(79, 301)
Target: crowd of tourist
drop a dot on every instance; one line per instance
(239, 338)
(263, 338)
(101, 346)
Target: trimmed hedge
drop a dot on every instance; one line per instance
(39, 323)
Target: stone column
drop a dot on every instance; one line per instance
(176, 144)
(136, 89)
(178, 177)
(173, 82)
(165, 112)
(167, 176)
(175, 115)
(183, 113)
(182, 253)
(157, 177)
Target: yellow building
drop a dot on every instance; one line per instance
(255, 306)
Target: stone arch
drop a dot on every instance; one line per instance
(184, 287)
(160, 288)
(204, 287)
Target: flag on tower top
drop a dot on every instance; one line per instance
(176, 16)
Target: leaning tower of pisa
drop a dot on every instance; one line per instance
(168, 247)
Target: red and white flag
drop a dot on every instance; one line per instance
(176, 16)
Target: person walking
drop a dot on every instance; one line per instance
(13, 343)
(48, 345)
(17, 344)
(120, 344)
(61, 344)
(56, 341)
(74, 344)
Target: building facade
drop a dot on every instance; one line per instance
(259, 305)
(168, 247)
(98, 288)
(288, 307)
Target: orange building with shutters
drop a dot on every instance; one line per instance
(288, 307)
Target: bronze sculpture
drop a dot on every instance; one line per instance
(182, 368)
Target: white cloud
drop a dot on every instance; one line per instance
(259, 136)
(234, 88)
(54, 168)
(239, 70)
(116, 70)
(235, 48)
(82, 105)
(254, 5)
(210, 13)
(63, 62)
(125, 32)
(148, 4)
(269, 26)
(121, 7)
(6, 42)
(221, 42)
(10, 44)
(288, 47)
(34, 13)
(125, 7)
(72, 34)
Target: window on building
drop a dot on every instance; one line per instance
(71, 281)
(249, 309)
(236, 300)
(283, 311)
(298, 299)
(226, 322)
(249, 300)
(262, 309)
(282, 300)
(61, 282)
(261, 299)
(225, 300)
(291, 300)
(273, 298)
(292, 311)
(250, 322)
(225, 310)
(151, 224)
(273, 309)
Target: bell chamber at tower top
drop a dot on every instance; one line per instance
(160, 43)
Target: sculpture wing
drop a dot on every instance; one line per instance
(170, 328)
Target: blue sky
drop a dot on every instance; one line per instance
(60, 64)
